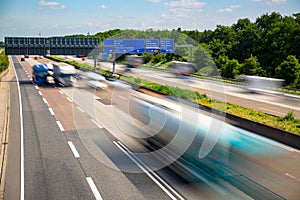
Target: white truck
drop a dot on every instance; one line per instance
(63, 74)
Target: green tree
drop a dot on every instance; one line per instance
(230, 69)
(251, 66)
(289, 70)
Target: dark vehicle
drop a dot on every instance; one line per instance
(22, 59)
(182, 68)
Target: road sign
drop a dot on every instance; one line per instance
(125, 46)
(152, 46)
(167, 46)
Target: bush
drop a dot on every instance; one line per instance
(4, 63)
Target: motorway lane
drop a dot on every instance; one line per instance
(51, 172)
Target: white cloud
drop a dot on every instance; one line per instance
(278, 1)
(183, 8)
(54, 5)
(103, 6)
(153, 1)
(191, 4)
(229, 9)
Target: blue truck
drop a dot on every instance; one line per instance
(40, 73)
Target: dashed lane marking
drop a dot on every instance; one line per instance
(96, 123)
(80, 109)
(94, 188)
(73, 149)
(60, 126)
(70, 100)
(51, 111)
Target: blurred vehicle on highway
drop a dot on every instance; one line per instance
(182, 68)
(133, 61)
(262, 84)
(203, 148)
(63, 73)
(95, 80)
(39, 74)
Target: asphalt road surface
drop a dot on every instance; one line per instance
(76, 147)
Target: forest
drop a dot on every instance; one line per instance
(269, 47)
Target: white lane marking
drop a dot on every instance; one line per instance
(36, 87)
(45, 101)
(80, 109)
(272, 111)
(40, 93)
(96, 123)
(94, 188)
(61, 92)
(60, 126)
(73, 149)
(147, 171)
(69, 99)
(121, 97)
(51, 111)
(21, 137)
(30, 79)
(293, 177)
(28, 76)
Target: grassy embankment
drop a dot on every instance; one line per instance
(288, 122)
(4, 63)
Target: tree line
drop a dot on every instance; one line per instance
(269, 46)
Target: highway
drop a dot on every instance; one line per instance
(274, 104)
(76, 145)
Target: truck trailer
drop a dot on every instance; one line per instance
(63, 73)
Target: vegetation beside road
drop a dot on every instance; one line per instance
(4, 63)
(288, 123)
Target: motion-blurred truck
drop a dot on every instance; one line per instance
(39, 74)
(63, 73)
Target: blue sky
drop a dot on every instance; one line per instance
(64, 17)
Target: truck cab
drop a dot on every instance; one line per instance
(39, 73)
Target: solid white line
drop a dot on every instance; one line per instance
(61, 92)
(96, 123)
(80, 109)
(36, 87)
(94, 188)
(51, 111)
(45, 101)
(136, 161)
(73, 149)
(69, 99)
(40, 93)
(21, 137)
(60, 126)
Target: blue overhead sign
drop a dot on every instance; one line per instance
(124, 46)
(152, 46)
(167, 46)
